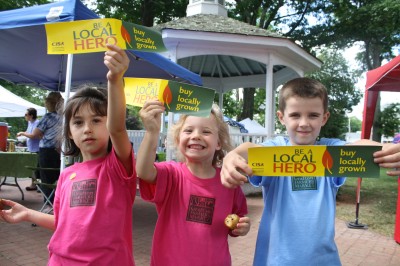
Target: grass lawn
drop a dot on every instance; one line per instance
(377, 203)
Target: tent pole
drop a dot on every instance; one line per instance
(356, 224)
(68, 79)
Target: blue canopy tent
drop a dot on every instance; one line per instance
(24, 59)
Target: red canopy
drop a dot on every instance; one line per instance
(384, 78)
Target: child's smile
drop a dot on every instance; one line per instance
(303, 119)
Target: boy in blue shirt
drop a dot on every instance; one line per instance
(298, 222)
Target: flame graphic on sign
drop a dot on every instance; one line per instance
(327, 161)
(167, 96)
(126, 36)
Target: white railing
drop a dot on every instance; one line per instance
(239, 138)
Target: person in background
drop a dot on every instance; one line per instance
(32, 142)
(48, 130)
(191, 202)
(92, 219)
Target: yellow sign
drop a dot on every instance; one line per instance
(177, 97)
(347, 161)
(140, 90)
(88, 36)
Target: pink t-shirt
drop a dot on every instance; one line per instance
(93, 214)
(190, 229)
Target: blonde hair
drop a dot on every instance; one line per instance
(54, 101)
(223, 136)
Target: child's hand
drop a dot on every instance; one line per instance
(389, 157)
(151, 115)
(234, 169)
(17, 213)
(243, 227)
(117, 62)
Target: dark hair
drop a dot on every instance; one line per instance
(95, 99)
(32, 111)
(303, 88)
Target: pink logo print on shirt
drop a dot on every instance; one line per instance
(83, 193)
(201, 209)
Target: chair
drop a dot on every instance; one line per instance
(39, 184)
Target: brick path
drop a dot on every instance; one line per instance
(22, 244)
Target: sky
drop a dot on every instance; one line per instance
(386, 97)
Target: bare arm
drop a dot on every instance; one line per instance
(18, 213)
(28, 135)
(234, 167)
(36, 134)
(117, 63)
(151, 118)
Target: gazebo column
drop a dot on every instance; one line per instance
(269, 100)
(221, 99)
(168, 155)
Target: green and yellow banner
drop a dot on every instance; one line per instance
(92, 35)
(177, 97)
(345, 161)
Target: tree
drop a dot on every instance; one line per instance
(374, 23)
(338, 23)
(390, 120)
(232, 104)
(143, 12)
(355, 124)
(132, 118)
(13, 4)
(339, 81)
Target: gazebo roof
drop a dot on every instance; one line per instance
(218, 47)
(215, 23)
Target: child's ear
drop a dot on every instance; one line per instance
(280, 117)
(219, 146)
(325, 118)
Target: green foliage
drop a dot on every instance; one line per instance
(339, 81)
(13, 4)
(146, 12)
(355, 124)
(390, 120)
(231, 103)
(132, 118)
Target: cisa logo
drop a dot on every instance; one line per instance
(57, 44)
(257, 164)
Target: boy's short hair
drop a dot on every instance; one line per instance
(303, 88)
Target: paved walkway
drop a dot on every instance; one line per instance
(23, 244)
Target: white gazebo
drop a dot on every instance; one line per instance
(230, 54)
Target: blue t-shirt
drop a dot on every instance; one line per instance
(298, 222)
(51, 127)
